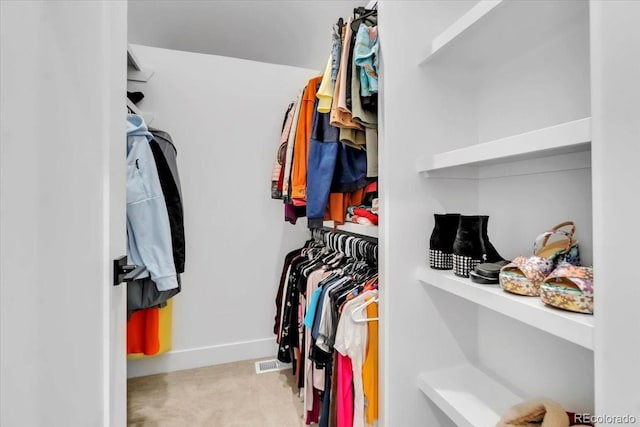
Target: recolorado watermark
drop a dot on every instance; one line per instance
(586, 418)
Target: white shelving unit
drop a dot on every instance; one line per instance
(468, 20)
(522, 111)
(137, 73)
(470, 397)
(571, 137)
(494, 28)
(574, 327)
(148, 117)
(364, 230)
(135, 70)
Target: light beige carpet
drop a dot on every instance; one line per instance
(230, 395)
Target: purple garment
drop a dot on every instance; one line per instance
(292, 212)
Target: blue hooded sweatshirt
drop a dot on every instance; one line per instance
(148, 230)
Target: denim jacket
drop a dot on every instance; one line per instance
(148, 230)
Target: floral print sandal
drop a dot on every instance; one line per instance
(558, 244)
(523, 276)
(569, 287)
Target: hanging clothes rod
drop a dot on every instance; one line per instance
(351, 244)
(348, 233)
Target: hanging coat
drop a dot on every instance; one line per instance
(148, 230)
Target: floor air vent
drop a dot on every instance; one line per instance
(271, 365)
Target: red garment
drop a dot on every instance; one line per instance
(142, 332)
(313, 416)
(366, 214)
(371, 187)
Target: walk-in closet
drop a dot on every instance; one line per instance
(340, 213)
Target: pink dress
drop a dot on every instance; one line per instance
(344, 396)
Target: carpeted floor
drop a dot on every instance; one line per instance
(230, 395)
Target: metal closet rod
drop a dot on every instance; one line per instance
(348, 233)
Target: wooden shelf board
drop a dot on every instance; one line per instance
(132, 59)
(467, 395)
(466, 21)
(364, 230)
(570, 137)
(574, 327)
(495, 30)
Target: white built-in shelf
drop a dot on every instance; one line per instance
(458, 28)
(574, 327)
(565, 138)
(147, 117)
(467, 395)
(135, 71)
(497, 30)
(364, 230)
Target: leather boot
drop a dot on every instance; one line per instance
(490, 253)
(468, 247)
(441, 241)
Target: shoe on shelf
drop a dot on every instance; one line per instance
(491, 255)
(558, 244)
(524, 275)
(472, 245)
(569, 287)
(441, 241)
(487, 273)
(539, 412)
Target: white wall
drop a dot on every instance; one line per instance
(225, 116)
(616, 151)
(417, 334)
(61, 108)
(285, 32)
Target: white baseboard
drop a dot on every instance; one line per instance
(177, 360)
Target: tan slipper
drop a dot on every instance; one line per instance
(535, 413)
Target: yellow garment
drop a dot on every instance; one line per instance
(370, 368)
(325, 92)
(164, 332)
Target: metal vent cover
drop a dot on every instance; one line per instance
(271, 365)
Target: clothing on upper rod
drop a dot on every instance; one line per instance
(330, 151)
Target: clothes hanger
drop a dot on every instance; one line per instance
(364, 15)
(361, 307)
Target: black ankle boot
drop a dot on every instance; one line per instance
(441, 241)
(468, 247)
(491, 254)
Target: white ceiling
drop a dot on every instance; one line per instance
(290, 32)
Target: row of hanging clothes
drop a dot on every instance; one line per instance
(326, 163)
(326, 326)
(155, 234)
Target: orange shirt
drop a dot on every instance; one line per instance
(339, 202)
(370, 368)
(142, 332)
(303, 136)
